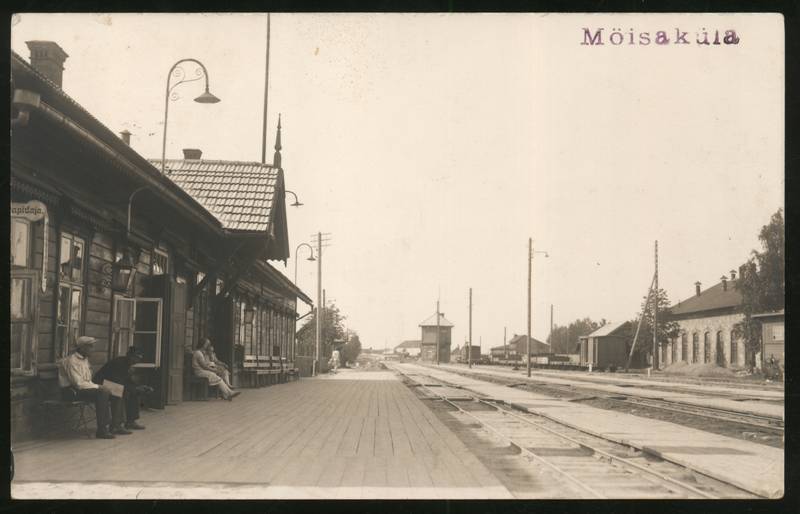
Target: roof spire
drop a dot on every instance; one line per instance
(276, 160)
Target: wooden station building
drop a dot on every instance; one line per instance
(103, 244)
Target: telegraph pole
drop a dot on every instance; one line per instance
(469, 348)
(505, 346)
(530, 261)
(266, 97)
(655, 312)
(551, 328)
(318, 359)
(437, 332)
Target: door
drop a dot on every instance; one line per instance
(176, 349)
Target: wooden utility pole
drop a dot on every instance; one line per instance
(505, 345)
(437, 332)
(641, 318)
(530, 262)
(318, 360)
(655, 312)
(551, 328)
(266, 97)
(469, 347)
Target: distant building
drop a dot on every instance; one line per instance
(606, 346)
(410, 348)
(429, 339)
(461, 353)
(772, 336)
(708, 326)
(518, 348)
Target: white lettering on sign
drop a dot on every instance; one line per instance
(33, 210)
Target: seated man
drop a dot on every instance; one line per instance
(217, 366)
(75, 379)
(120, 370)
(201, 367)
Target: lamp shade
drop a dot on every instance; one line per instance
(206, 98)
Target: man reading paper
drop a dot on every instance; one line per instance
(119, 372)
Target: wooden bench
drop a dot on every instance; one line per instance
(256, 367)
(196, 388)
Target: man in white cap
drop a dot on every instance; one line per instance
(75, 379)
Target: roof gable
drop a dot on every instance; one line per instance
(610, 329)
(241, 195)
(431, 322)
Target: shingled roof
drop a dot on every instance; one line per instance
(714, 298)
(241, 195)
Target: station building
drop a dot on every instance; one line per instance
(707, 323)
(103, 244)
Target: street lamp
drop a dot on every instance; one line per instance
(531, 253)
(296, 201)
(178, 72)
(310, 258)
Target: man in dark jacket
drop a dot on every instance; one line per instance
(120, 370)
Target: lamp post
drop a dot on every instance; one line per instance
(297, 202)
(310, 258)
(531, 253)
(178, 72)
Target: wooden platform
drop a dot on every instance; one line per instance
(352, 435)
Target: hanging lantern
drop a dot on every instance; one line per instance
(123, 271)
(249, 314)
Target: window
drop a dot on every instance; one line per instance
(695, 347)
(200, 277)
(69, 311)
(160, 262)
(706, 348)
(71, 263)
(23, 315)
(20, 242)
(734, 348)
(220, 285)
(777, 332)
(720, 349)
(684, 347)
(137, 322)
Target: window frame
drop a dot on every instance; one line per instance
(159, 332)
(32, 349)
(62, 340)
(159, 251)
(29, 249)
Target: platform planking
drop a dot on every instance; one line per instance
(356, 435)
(750, 466)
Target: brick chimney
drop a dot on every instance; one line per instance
(697, 288)
(724, 280)
(192, 154)
(48, 59)
(126, 137)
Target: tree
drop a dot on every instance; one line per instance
(667, 329)
(762, 283)
(563, 339)
(352, 348)
(332, 329)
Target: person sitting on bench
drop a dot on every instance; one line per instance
(75, 379)
(201, 367)
(217, 366)
(120, 370)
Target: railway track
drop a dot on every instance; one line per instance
(770, 424)
(592, 466)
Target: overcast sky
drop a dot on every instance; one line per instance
(432, 146)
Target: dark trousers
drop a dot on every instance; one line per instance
(107, 407)
(131, 398)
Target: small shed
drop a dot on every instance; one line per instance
(606, 346)
(772, 336)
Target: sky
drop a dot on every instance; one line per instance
(432, 146)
